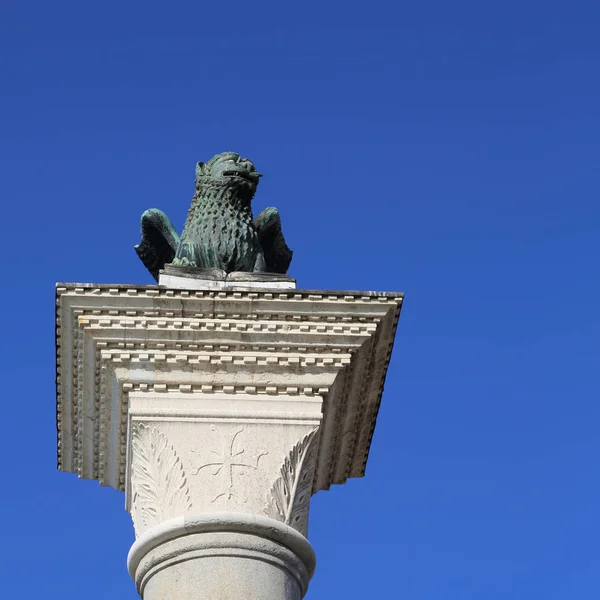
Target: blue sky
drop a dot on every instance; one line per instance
(445, 149)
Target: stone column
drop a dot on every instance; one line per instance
(219, 412)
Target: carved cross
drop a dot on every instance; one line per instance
(226, 463)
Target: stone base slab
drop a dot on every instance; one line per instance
(193, 278)
(185, 283)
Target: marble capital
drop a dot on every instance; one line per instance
(209, 401)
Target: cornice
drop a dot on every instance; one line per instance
(113, 340)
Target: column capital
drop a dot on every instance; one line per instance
(201, 402)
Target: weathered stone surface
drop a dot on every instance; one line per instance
(230, 402)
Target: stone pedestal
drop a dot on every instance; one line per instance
(219, 412)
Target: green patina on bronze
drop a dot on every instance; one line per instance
(219, 232)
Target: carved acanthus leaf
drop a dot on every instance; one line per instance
(160, 489)
(289, 498)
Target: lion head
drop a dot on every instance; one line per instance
(229, 169)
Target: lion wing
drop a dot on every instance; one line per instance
(159, 241)
(277, 254)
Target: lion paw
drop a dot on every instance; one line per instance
(183, 262)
